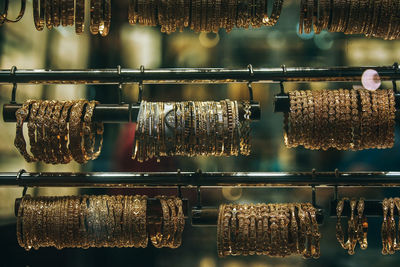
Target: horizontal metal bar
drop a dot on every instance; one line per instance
(373, 208)
(121, 113)
(282, 102)
(208, 216)
(194, 75)
(208, 179)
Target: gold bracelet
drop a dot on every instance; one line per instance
(234, 231)
(220, 230)
(362, 222)
(75, 131)
(181, 222)
(64, 133)
(38, 14)
(48, 153)
(392, 228)
(384, 229)
(19, 140)
(57, 157)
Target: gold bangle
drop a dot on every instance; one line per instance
(220, 226)
(266, 229)
(259, 230)
(302, 229)
(19, 141)
(362, 239)
(48, 153)
(95, 16)
(32, 129)
(233, 238)
(54, 144)
(75, 131)
(38, 14)
(392, 228)
(64, 133)
(39, 121)
(274, 248)
(384, 229)
(48, 14)
(294, 244)
(79, 16)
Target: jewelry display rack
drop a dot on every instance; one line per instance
(123, 113)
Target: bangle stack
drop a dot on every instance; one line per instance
(204, 16)
(191, 129)
(53, 139)
(64, 13)
(340, 119)
(277, 230)
(371, 18)
(97, 221)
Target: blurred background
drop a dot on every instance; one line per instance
(131, 46)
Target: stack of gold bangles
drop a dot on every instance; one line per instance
(357, 225)
(51, 14)
(191, 129)
(55, 140)
(96, 221)
(268, 229)
(390, 237)
(340, 119)
(203, 15)
(371, 18)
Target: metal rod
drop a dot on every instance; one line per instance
(194, 75)
(194, 179)
(373, 208)
(282, 102)
(154, 211)
(113, 113)
(208, 216)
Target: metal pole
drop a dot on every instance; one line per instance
(194, 179)
(373, 208)
(113, 113)
(194, 75)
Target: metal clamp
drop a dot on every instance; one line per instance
(120, 101)
(14, 89)
(284, 70)
(18, 178)
(140, 96)
(396, 68)
(249, 84)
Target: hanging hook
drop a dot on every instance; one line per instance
(120, 102)
(141, 84)
(14, 89)
(249, 84)
(396, 68)
(281, 82)
(199, 172)
(198, 196)
(337, 175)
(18, 178)
(178, 174)
(313, 189)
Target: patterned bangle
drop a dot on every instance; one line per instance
(75, 131)
(19, 141)
(384, 229)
